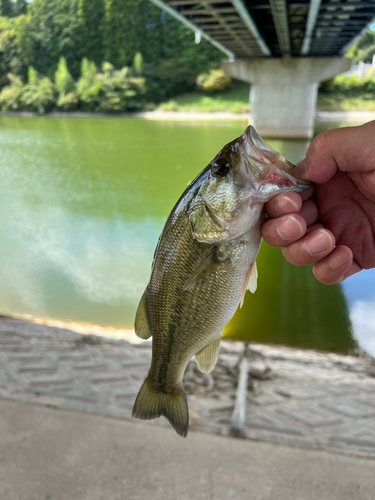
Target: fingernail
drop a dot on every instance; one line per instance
(289, 227)
(300, 170)
(338, 259)
(319, 242)
(286, 205)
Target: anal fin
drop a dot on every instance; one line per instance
(251, 281)
(252, 284)
(206, 358)
(141, 325)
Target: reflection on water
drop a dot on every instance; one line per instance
(82, 202)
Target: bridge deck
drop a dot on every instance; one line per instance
(275, 28)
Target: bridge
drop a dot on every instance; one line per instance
(284, 48)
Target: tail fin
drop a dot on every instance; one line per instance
(151, 403)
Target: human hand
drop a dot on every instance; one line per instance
(333, 225)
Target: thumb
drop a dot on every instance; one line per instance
(349, 149)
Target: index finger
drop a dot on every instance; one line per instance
(349, 149)
(286, 203)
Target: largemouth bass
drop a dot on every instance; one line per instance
(203, 264)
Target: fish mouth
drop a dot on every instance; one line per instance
(267, 170)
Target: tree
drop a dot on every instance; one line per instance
(20, 7)
(130, 27)
(11, 60)
(6, 8)
(90, 19)
(53, 32)
(64, 82)
(364, 48)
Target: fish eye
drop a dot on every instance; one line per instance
(220, 167)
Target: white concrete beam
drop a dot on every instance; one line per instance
(310, 25)
(280, 18)
(249, 23)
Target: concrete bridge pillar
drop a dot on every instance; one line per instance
(284, 91)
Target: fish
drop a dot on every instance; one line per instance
(204, 262)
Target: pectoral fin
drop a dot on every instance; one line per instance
(141, 325)
(206, 358)
(250, 282)
(214, 259)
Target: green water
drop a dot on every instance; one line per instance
(82, 203)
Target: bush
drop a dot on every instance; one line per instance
(38, 94)
(109, 91)
(349, 86)
(63, 79)
(68, 102)
(170, 78)
(169, 106)
(214, 81)
(10, 96)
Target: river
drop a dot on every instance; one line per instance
(83, 201)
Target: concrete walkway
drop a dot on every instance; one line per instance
(48, 454)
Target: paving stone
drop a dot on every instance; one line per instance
(299, 392)
(37, 368)
(14, 348)
(25, 358)
(266, 398)
(366, 399)
(305, 404)
(91, 366)
(358, 437)
(51, 381)
(349, 408)
(74, 357)
(309, 415)
(109, 378)
(270, 422)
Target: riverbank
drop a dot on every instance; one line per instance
(331, 116)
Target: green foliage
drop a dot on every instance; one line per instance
(349, 86)
(38, 94)
(32, 76)
(213, 82)
(10, 96)
(20, 7)
(10, 50)
(364, 48)
(68, 102)
(90, 19)
(88, 77)
(7, 8)
(63, 79)
(52, 32)
(111, 90)
(234, 100)
(138, 63)
(169, 78)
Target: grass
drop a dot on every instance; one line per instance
(233, 100)
(236, 100)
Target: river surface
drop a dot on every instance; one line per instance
(83, 201)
